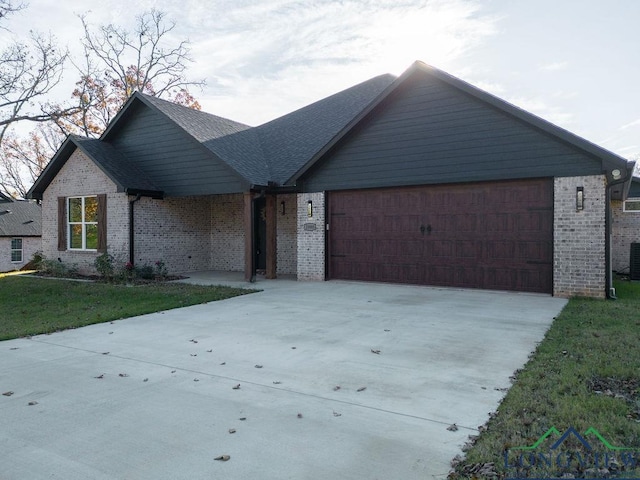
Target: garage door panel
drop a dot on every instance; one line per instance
(501, 250)
(495, 235)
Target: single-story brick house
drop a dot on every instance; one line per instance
(625, 227)
(20, 232)
(420, 179)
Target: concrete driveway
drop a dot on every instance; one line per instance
(313, 401)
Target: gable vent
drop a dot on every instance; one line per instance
(635, 261)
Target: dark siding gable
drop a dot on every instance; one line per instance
(174, 162)
(428, 132)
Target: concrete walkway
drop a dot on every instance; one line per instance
(161, 403)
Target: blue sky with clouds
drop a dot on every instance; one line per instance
(572, 62)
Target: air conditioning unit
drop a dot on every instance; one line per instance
(634, 269)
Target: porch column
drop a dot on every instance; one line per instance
(249, 257)
(271, 221)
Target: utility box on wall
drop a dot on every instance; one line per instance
(634, 267)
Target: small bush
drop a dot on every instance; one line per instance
(56, 268)
(161, 270)
(145, 272)
(104, 266)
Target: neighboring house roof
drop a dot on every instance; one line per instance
(634, 190)
(281, 151)
(20, 218)
(5, 198)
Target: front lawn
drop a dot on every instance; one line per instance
(30, 306)
(585, 375)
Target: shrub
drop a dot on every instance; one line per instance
(161, 270)
(55, 268)
(104, 266)
(145, 272)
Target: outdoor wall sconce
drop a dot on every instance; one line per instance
(579, 198)
(282, 208)
(309, 209)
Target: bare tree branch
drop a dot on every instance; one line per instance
(28, 72)
(7, 7)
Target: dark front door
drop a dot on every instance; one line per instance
(492, 235)
(260, 231)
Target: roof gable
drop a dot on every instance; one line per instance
(607, 160)
(172, 158)
(157, 146)
(124, 175)
(291, 140)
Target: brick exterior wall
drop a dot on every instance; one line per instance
(579, 238)
(81, 177)
(175, 230)
(186, 233)
(311, 237)
(227, 233)
(625, 229)
(30, 245)
(287, 240)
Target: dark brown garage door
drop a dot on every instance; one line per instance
(494, 235)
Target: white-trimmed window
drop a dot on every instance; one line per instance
(82, 213)
(632, 205)
(16, 250)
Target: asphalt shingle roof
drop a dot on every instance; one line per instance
(233, 142)
(292, 140)
(279, 151)
(115, 164)
(274, 151)
(20, 218)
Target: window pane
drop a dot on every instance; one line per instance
(16, 244)
(632, 205)
(16, 255)
(91, 209)
(75, 236)
(92, 236)
(75, 209)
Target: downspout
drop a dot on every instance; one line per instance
(131, 231)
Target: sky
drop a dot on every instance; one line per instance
(574, 63)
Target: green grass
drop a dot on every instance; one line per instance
(31, 306)
(586, 373)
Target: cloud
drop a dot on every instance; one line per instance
(541, 107)
(631, 124)
(554, 66)
(280, 55)
(265, 58)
